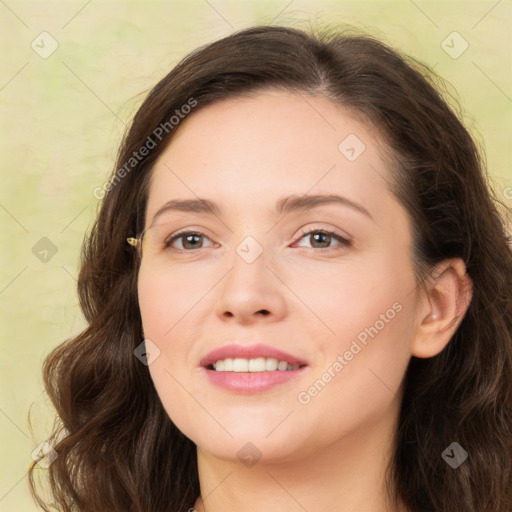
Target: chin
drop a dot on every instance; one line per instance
(249, 451)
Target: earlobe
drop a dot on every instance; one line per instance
(448, 297)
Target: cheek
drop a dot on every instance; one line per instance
(165, 300)
(363, 301)
(358, 385)
(153, 302)
(167, 305)
(167, 319)
(369, 312)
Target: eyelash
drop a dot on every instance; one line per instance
(343, 241)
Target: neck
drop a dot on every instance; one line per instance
(349, 475)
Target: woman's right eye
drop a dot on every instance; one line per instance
(189, 240)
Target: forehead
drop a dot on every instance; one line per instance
(247, 150)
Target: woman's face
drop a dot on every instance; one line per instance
(268, 273)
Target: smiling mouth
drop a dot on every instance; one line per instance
(254, 365)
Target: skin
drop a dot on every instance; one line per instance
(245, 154)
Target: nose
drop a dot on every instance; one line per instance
(251, 292)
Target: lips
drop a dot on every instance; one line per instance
(249, 352)
(243, 382)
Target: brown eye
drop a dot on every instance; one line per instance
(324, 238)
(190, 240)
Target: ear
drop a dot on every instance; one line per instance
(442, 308)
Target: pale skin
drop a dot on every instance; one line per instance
(245, 155)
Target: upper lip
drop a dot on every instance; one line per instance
(249, 352)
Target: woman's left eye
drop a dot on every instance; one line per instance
(322, 237)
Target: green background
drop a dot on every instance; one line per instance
(62, 118)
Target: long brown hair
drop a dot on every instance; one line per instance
(119, 450)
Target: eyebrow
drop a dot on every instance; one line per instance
(283, 206)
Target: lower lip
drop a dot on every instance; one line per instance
(252, 382)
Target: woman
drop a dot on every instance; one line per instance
(298, 290)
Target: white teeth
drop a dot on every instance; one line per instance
(282, 365)
(239, 365)
(271, 364)
(259, 364)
